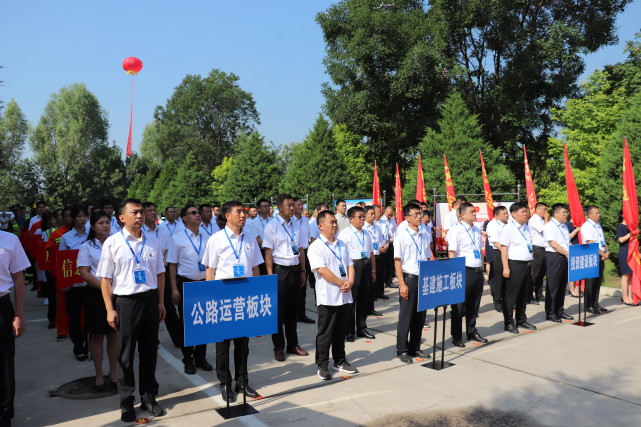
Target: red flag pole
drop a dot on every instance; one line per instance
(574, 202)
(398, 197)
(489, 200)
(529, 184)
(376, 187)
(631, 217)
(449, 184)
(131, 119)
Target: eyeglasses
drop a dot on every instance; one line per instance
(192, 213)
(264, 206)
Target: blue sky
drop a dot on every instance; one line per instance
(275, 47)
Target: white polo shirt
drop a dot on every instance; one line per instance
(558, 232)
(388, 226)
(466, 241)
(115, 227)
(280, 236)
(13, 259)
(162, 235)
(518, 241)
(174, 228)
(330, 255)
(592, 231)
(493, 231)
(411, 247)
(208, 230)
(117, 262)
(257, 225)
(89, 255)
(225, 249)
(536, 224)
(342, 222)
(450, 220)
(314, 231)
(376, 235)
(303, 223)
(358, 242)
(187, 251)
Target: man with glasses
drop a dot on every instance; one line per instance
(257, 227)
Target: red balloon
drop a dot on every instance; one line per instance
(132, 65)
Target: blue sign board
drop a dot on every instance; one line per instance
(217, 310)
(441, 282)
(583, 262)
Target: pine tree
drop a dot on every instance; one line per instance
(190, 185)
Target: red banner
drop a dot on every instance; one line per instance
(489, 200)
(631, 217)
(52, 253)
(421, 196)
(449, 184)
(376, 187)
(574, 202)
(66, 269)
(40, 254)
(398, 196)
(529, 184)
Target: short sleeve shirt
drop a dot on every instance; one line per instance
(13, 259)
(225, 249)
(358, 241)
(467, 242)
(330, 255)
(411, 247)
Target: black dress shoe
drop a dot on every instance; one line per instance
(593, 310)
(226, 392)
(51, 325)
(553, 319)
(526, 325)
(375, 313)
(566, 316)
(127, 411)
(511, 328)
(279, 355)
(498, 306)
(349, 337)
(477, 337)
(420, 353)
(601, 308)
(458, 343)
(382, 296)
(405, 358)
(533, 302)
(203, 364)
(152, 408)
(365, 334)
(306, 320)
(249, 392)
(190, 369)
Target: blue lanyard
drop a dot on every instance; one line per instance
(371, 234)
(362, 242)
(525, 238)
(261, 222)
(291, 223)
(240, 244)
(200, 243)
(594, 225)
(420, 251)
(144, 240)
(171, 233)
(559, 225)
(468, 233)
(207, 230)
(339, 256)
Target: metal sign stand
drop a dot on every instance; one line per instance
(438, 365)
(238, 410)
(585, 308)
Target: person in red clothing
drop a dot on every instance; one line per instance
(62, 322)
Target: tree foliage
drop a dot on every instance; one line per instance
(189, 185)
(354, 153)
(219, 178)
(13, 135)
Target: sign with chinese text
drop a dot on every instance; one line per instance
(583, 262)
(40, 254)
(224, 309)
(441, 282)
(67, 273)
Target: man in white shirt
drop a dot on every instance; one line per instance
(592, 232)
(343, 221)
(536, 224)
(257, 226)
(230, 253)
(303, 223)
(334, 270)
(132, 274)
(361, 251)
(387, 222)
(285, 257)
(465, 240)
(382, 262)
(207, 226)
(451, 219)
(107, 206)
(184, 264)
(493, 230)
(13, 262)
(516, 254)
(314, 233)
(171, 224)
(380, 246)
(41, 207)
(411, 246)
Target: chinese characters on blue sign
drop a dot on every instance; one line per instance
(441, 282)
(219, 310)
(583, 262)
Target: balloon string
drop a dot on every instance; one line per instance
(131, 116)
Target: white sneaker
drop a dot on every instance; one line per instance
(45, 301)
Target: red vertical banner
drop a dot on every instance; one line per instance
(66, 269)
(574, 202)
(398, 196)
(631, 216)
(449, 184)
(489, 200)
(376, 187)
(421, 196)
(529, 184)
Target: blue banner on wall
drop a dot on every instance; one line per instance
(223, 309)
(441, 282)
(583, 262)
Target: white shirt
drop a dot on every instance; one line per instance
(358, 242)
(280, 236)
(388, 226)
(342, 222)
(450, 220)
(174, 228)
(13, 259)
(321, 255)
(72, 240)
(411, 247)
(223, 256)
(518, 240)
(536, 224)
(376, 235)
(33, 220)
(257, 225)
(402, 226)
(117, 262)
(314, 231)
(89, 255)
(115, 227)
(187, 251)
(209, 230)
(465, 240)
(592, 231)
(558, 232)
(304, 230)
(493, 231)
(161, 233)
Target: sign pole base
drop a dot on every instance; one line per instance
(438, 365)
(583, 323)
(236, 411)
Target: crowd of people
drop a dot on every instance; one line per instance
(133, 267)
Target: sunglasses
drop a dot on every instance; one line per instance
(192, 213)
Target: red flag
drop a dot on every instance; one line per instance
(529, 184)
(129, 151)
(449, 185)
(574, 202)
(398, 197)
(489, 200)
(421, 196)
(631, 217)
(376, 187)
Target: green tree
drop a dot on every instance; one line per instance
(143, 183)
(219, 178)
(190, 185)
(165, 177)
(13, 135)
(151, 143)
(255, 171)
(354, 153)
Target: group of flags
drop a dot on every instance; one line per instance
(630, 201)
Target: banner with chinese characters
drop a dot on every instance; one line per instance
(583, 262)
(441, 282)
(223, 309)
(66, 270)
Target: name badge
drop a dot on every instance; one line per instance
(239, 271)
(529, 248)
(364, 255)
(477, 254)
(139, 275)
(295, 249)
(342, 271)
(603, 243)
(375, 246)
(201, 267)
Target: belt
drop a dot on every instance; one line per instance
(361, 261)
(184, 279)
(287, 267)
(4, 297)
(141, 295)
(410, 275)
(555, 253)
(541, 247)
(478, 269)
(518, 261)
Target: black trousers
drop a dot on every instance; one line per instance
(410, 322)
(332, 328)
(172, 320)
(389, 265)
(382, 264)
(356, 321)
(262, 268)
(52, 295)
(7, 358)
(489, 258)
(138, 316)
(515, 291)
(240, 360)
(557, 274)
(470, 307)
(288, 287)
(76, 303)
(302, 293)
(374, 286)
(593, 287)
(499, 281)
(199, 351)
(538, 273)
